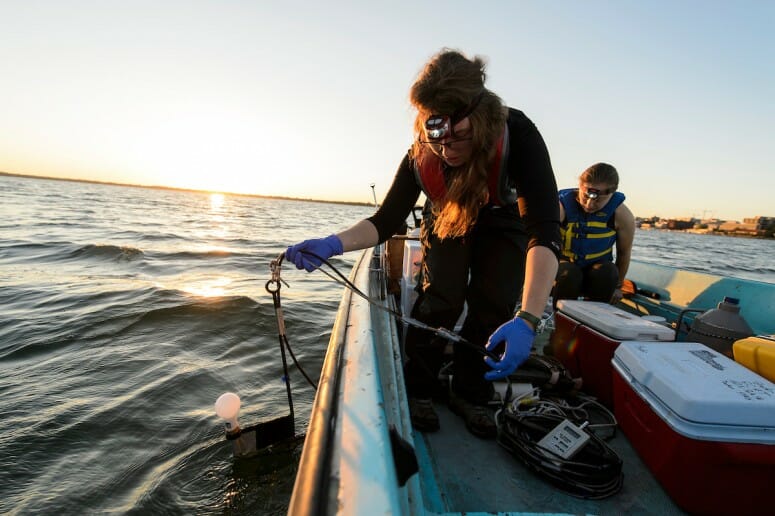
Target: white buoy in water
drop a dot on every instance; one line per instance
(243, 442)
(227, 407)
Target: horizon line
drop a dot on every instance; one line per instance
(260, 196)
(180, 189)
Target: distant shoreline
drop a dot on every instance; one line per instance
(346, 203)
(194, 190)
(735, 234)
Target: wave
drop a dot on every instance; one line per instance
(761, 273)
(63, 250)
(38, 322)
(107, 252)
(202, 255)
(210, 310)
(113, 315)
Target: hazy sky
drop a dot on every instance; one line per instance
(310, 99)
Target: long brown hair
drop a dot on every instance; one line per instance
(449, 83)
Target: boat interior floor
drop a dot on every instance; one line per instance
(479, 475)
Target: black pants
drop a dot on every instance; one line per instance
(595, 282)
(484, 269)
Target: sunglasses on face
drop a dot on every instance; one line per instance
(594, 193)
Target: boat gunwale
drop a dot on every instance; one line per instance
(376, 399)
(313, 473)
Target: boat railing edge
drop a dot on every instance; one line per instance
(312, 476)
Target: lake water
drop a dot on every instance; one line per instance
(125, 312)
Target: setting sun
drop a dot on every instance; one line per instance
(216, 201)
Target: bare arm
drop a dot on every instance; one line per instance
(625, 234)
(540, 271)
(360, 236)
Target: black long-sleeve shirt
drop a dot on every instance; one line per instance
(529, 170)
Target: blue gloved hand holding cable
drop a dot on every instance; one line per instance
(518, 338)
(302, 253)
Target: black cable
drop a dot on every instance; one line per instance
(343, 280)
(298, 366)
(594, 472)
(442, 332)
(284, 344)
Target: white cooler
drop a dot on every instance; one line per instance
(587, 333)
(703, 424)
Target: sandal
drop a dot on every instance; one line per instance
(477, 417)
(423, 415)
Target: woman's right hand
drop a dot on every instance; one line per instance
(309, 254)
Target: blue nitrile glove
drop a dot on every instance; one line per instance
(519, 341)
(323, 247)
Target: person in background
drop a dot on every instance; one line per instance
(594, 218)
(490, 234)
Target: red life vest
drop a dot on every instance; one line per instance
(431, 178)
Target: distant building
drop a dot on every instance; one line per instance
(760, 223)
(686, 223)
(754, 226)
(750, 226)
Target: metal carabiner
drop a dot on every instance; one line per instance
(275, 266)
(270, 289)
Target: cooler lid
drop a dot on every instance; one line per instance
(698, 384)
(614, 322)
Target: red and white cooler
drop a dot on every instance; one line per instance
(586, 334)
(702, 423)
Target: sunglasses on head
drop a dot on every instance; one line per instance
(438, 127)
(594, 193)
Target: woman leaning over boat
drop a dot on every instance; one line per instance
(490, 233)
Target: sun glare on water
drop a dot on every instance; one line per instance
(208, 288)
(216, 201)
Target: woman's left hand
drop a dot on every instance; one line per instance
(518, 337)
